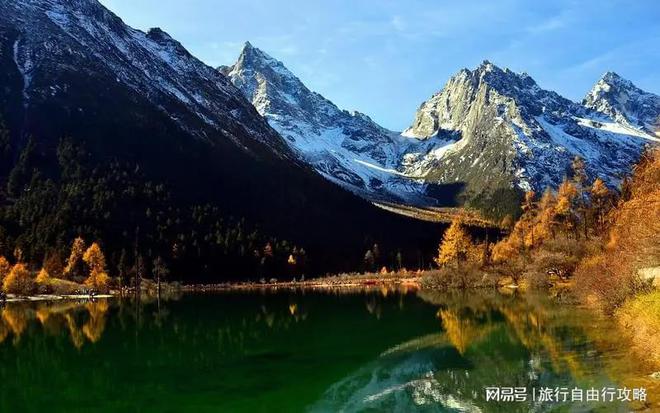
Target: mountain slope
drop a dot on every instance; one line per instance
(514, 136)
(347, 148)
(72, 68)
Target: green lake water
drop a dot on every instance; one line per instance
(294, 351)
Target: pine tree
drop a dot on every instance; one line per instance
(22, 172)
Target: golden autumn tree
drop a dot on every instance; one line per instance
(455, 246)
(509, 247)
(43, 278)
(5, 267)
(19, 281)
(544, 225)
(95, 260)
(580, 182)
(565, 208)
(525, 224)
(600, 199)
(74, 264)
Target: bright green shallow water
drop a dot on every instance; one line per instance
(294, 351)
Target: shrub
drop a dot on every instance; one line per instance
(43, 281)
(461, 277)
(601, 278)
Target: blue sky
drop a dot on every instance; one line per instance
(385, 57)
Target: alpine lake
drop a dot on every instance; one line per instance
(364, 350)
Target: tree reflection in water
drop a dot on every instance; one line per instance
(80, 319)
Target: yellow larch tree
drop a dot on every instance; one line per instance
(565, 206)
(525, 224)
(600, 197)
(19, 281)
(509, 247)
(455, 246)
(95, 260)
(5, 267)
(74, 263)
(544, 227)
(43, 278)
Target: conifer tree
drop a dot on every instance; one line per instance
(19, 281)
(75, 262)
(455, 245)
(43, 278)
(53, 264)
(580, 182)
(600, 196)
(5, 267)
(565, 206)
(22, 172)
(95, 260)
(526, 222)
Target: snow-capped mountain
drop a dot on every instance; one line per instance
(72, 63)
(624, 102)
(51, 37)
(491, 130)
(347, 148)
(514, 134)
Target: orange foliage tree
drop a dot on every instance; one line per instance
(544, 226)
(43, 278)
(5, 267)
(455, 246)
(74, 263)
(600, 201)
(95, 260)
(565, 208)
(19, 281)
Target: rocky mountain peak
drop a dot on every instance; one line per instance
(620, 99)
(486, 85)
(345, 146)
(253, 58)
